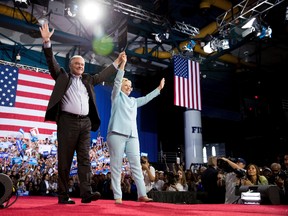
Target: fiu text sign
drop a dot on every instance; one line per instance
(193, 137)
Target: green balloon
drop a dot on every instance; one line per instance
(103, 46)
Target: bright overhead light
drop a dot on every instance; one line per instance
(71, 9)
(265, 32)
(44, 19)
(254, 25)
(92, 12)
(208, 49)
(249, 24)
(190, 46)
(161, 36)
(224, 44)
(93, 59)
(216, 45)
(22, 3)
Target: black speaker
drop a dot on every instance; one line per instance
(6, 188)
(269, 193)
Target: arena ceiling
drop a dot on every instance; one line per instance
(184, 20)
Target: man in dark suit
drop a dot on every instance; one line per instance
(73, 106)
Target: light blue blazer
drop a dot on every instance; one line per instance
(124, 108)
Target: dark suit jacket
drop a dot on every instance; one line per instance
(63, 81)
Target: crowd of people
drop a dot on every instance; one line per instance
(34, 171)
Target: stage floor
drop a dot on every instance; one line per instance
(43, 206)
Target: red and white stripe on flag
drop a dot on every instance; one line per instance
(187, 83)
(23, 101)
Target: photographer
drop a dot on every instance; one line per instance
(148, 172)
(235, 172)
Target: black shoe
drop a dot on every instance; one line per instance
(91, 197)
(66, 201)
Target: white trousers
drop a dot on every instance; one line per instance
(118, 145)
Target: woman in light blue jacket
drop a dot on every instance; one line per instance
(123, 135)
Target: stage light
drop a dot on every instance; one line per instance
(92, 11)
(210, 45)
(257, 28)
(216, 44)
(224, 44)
(93, 59)
(265, 32)
(44, 19)
(159, 37)
(250, 26)
(71, 9)
(246, 56)
(18, 57)
(189, 46)
(22, 3)
(208, 48)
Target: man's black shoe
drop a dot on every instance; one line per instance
(66, 201)
(91, 197)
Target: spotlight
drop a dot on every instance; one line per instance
(71, 9)
(44, 18)
(223, 44)
(158, 38)
(18, 57)
(265, 32)
(22, 3)
(190, 46)
(206, 44)
(251, 25)
(211, 46)
(93, 59)
(216, 45)
(208, 48)
(161, 36)
(246, 56)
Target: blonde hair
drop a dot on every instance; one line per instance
(212, 161)
(125, 79)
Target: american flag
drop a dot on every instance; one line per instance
(24, 96)
(187, 83)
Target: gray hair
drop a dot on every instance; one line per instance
(74, 57)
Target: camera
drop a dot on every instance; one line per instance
(281, 175)
(223, 165)
(240, 173)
